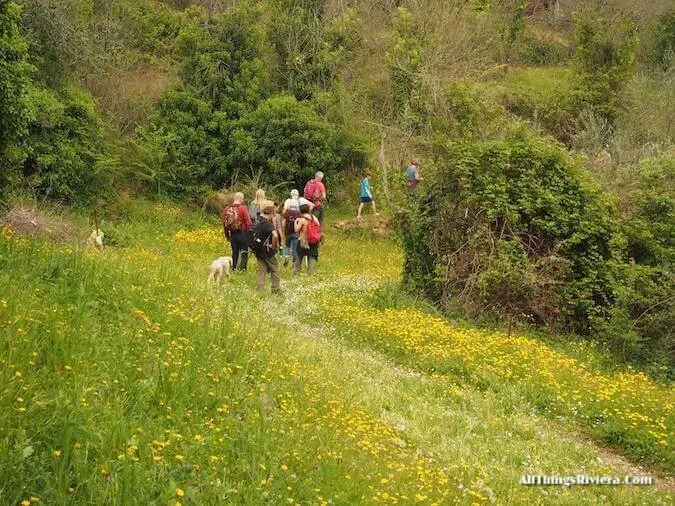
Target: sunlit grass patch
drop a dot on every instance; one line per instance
(626, 409)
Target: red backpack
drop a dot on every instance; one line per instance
(313, 231)
(310, 190)
(231, 218)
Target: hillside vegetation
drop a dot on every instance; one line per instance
(525, 297)
(179, 98)
(128, 379)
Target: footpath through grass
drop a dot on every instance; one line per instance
(125, 379)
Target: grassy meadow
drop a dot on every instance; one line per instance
(126, 379)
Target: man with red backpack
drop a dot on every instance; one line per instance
(236, 226)
(308, 228)
(315, 192)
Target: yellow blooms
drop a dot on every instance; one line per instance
(201, 236)
(645, 405)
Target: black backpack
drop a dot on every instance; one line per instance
(261, 239)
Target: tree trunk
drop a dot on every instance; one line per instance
(385, 169)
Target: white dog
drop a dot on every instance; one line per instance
(219, 267)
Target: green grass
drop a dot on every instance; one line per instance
(126, 379)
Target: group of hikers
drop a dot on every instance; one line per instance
(295, 233)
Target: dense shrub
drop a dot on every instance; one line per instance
(406, 59)
(649, 284)
(287, 141)
(513, 226)
(65, 154)
(227, 60)
(186, 140)
(14, 72)
(658, 43)
(220, 124)
(538, 47)
(310, 47)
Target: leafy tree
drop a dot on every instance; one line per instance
(604, 62)
(191, 136)
(287, 141)
(14, 77)
(227, 61)
(310, 48)
(66, 157)
(406, 64)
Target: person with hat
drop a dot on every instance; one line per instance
(266, 241)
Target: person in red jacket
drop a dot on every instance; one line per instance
(236, 227)
(315, 192)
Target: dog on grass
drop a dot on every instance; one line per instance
(220, 266)
(95, 239)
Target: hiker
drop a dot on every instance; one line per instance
(308, 228)
(295, 198)
(265, 244)
(257, 205)
(290, 235)
(236, 226)
(315, 192)
(413, 176)
(277, 222)
(366, 196)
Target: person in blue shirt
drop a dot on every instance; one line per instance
(413, 176)
(366, 195)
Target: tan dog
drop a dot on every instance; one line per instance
(96, 239)
(219, 267)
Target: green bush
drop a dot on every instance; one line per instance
(66, 157)
(512, 226)
(288, 142)
(516, 227)
(186, 137)
(14, 71)
(310, 47)
(658, 43)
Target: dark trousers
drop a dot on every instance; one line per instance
(239, 242)
(318, 212)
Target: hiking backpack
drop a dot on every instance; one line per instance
(313, 231)
(290, 217)
(231, 219)
(310, 190)
(261, 240)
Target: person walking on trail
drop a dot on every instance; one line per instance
(278, 222)
(308, 228)
(236, 226)
(295, 199)
(265, 244)
(315, 192)
(290, 235)
(257, 205)
(413, 176)
(366, 195)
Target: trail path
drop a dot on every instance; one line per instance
(488, 436)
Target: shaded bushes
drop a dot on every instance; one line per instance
(14, 71)
(515, 226)
(223, 123)
(65, 154)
